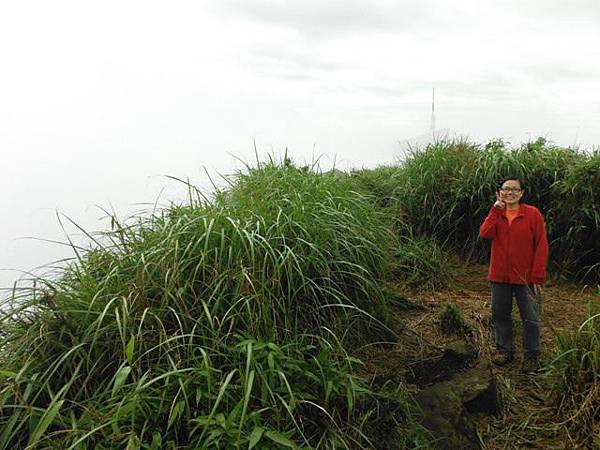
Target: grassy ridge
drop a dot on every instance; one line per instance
(218, 324)
(231, 323)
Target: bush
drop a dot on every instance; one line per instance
(213, 324)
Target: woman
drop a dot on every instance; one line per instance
(517, 268)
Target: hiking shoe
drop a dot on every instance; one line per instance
(530, 365)
(502, 359)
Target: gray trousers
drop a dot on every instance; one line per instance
(502, 301)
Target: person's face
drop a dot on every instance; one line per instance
(511, 192)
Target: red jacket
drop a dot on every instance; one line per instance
(519, 251)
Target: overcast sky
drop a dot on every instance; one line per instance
(99, 99)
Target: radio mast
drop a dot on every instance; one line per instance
(433, 112)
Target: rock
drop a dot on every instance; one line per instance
(446, 406)
(456, 356)
(442, 413)
(460, 351)
(478, 389)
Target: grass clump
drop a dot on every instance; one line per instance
(451, 320)
(421, 262)
(380, 184)
(221, 324)
(575, 219)
(433, 193)
(574, 374)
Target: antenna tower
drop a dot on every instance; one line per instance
(433, 112)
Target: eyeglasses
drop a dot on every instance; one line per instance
(510, 189)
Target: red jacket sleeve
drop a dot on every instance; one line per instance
(540, 251)
(487, 230)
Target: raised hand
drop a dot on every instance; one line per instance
(499, 203)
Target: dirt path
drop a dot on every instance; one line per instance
(528, 420)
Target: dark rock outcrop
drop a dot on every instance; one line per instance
(447, 406)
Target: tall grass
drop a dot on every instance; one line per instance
(419, 260)
(445, 190)
(574, 375)
(215, 324)
(229, 323)
(575, 218)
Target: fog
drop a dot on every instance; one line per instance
(99, 101)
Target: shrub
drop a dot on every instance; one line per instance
(213, 324)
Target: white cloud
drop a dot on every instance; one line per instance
(329, 19)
